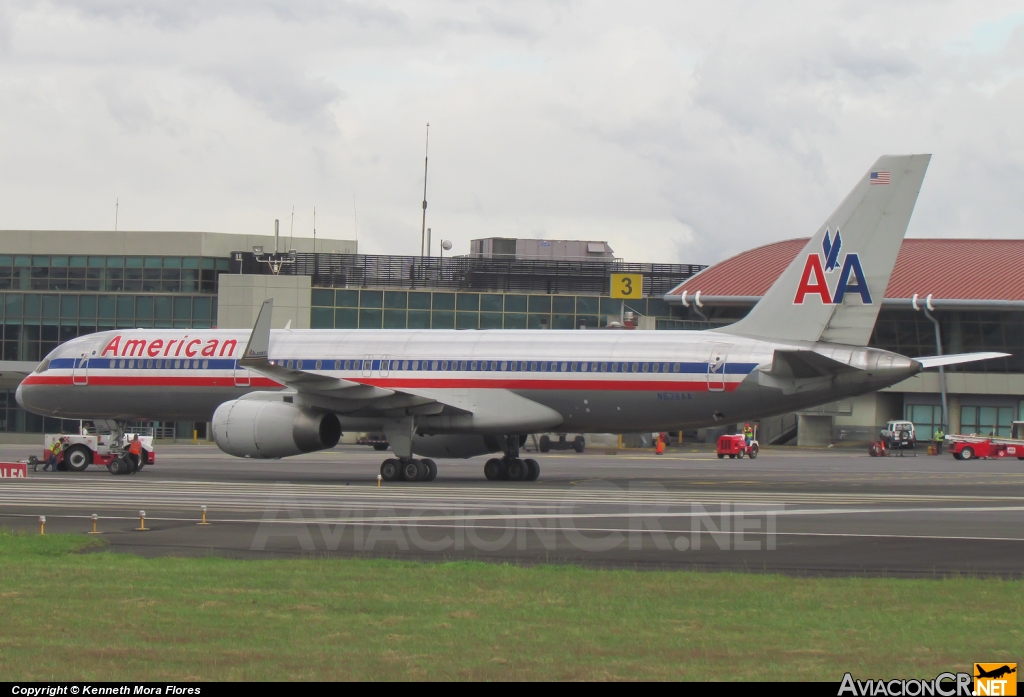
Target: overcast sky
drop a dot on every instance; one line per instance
(678, 131)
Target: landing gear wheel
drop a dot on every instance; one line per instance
(118, 466)
(753, 452)
(492, 470)
(77, 458)
(413, 471)
(967, 454)
(579, 444)
(389, 470)
(518, 470)
(534, 469)
(431, 470)
(545, 444)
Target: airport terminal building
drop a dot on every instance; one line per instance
(56, 285)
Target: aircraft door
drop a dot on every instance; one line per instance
(716, 367)
(80, 371)
(242, 376)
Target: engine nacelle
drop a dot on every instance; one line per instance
(272, 429)
(455, 445)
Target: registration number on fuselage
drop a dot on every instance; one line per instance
(674, 396)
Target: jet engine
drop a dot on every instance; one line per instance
(272, 429)
(455, 445)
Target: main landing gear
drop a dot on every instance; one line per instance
(512, 467)
(408, 470)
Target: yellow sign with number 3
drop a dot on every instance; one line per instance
(627, 285)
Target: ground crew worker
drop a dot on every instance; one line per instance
(659, 446)
(135, 452)
(53, 456)
(748, 435)
(939, 437)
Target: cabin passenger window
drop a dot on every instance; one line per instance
(473, 366)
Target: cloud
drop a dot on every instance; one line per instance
(677, 131)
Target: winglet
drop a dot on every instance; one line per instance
(259, 341)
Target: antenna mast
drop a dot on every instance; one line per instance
(314, 229)
(117, 205)
(423, 224)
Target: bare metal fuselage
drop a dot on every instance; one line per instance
(598, 381)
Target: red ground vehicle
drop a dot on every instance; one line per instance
(971, 447)
(736, 446)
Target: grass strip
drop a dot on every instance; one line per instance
(106, 616)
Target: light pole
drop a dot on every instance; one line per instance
(424, 247)
(928, 309)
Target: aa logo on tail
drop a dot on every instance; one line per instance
(813, 280)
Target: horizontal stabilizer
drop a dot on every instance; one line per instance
(936, 361)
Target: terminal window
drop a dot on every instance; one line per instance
(987, 421)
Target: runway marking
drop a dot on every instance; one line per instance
(446, 525)
(534, 515)
(637, 489)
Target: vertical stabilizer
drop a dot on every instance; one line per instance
(833, 289)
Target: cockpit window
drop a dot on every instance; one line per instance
(43, 367)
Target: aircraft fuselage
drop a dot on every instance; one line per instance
(598, 381)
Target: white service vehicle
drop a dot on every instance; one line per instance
(82, 451)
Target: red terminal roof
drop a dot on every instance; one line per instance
(955, 269)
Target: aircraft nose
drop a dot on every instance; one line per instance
(19, 396)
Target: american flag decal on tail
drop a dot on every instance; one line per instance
(879, 177)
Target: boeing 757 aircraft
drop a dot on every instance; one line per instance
(435, 393)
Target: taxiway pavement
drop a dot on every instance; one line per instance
(794, 511)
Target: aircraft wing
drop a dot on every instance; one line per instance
(342, 396)
(954, 359)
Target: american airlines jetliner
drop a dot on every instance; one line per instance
(435, 393)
